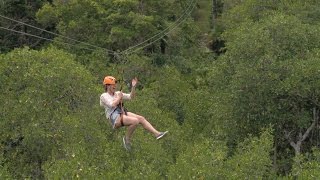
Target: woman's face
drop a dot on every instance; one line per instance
(113, 87)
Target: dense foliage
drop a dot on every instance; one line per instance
(236, 83)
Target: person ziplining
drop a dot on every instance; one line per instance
(111, 100)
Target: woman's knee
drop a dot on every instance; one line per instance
(136, 121)
(142, 120)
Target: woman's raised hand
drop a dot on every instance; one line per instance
(134, 82)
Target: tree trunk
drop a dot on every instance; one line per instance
(297, 145)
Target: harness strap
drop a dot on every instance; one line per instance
(123, 111)
(121, 115)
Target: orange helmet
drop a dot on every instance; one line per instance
(109, 80)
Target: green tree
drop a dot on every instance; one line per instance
(115, 24)
(268, 76)
(23, 11)
(236, 12)
(200, 160)
(39, 90)
(307, 166)
(4, 173)
(252, 158)
(208, 159)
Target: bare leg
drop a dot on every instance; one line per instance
(145, 124)
(130, 131)
(132, 120)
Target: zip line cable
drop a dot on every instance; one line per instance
(56, 34)
(122, 55)
(162, 35)
(32, 35)
(163, 31)
(169, 28)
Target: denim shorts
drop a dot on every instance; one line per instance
(114, 116)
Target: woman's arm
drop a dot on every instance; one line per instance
(117, 100)
(111, 103)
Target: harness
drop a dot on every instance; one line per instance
(121, 110)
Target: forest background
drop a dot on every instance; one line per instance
(236, 83)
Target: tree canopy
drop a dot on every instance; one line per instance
(236, 84)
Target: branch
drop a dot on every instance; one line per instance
(306, 134)
(315, 120)
(287, 135)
